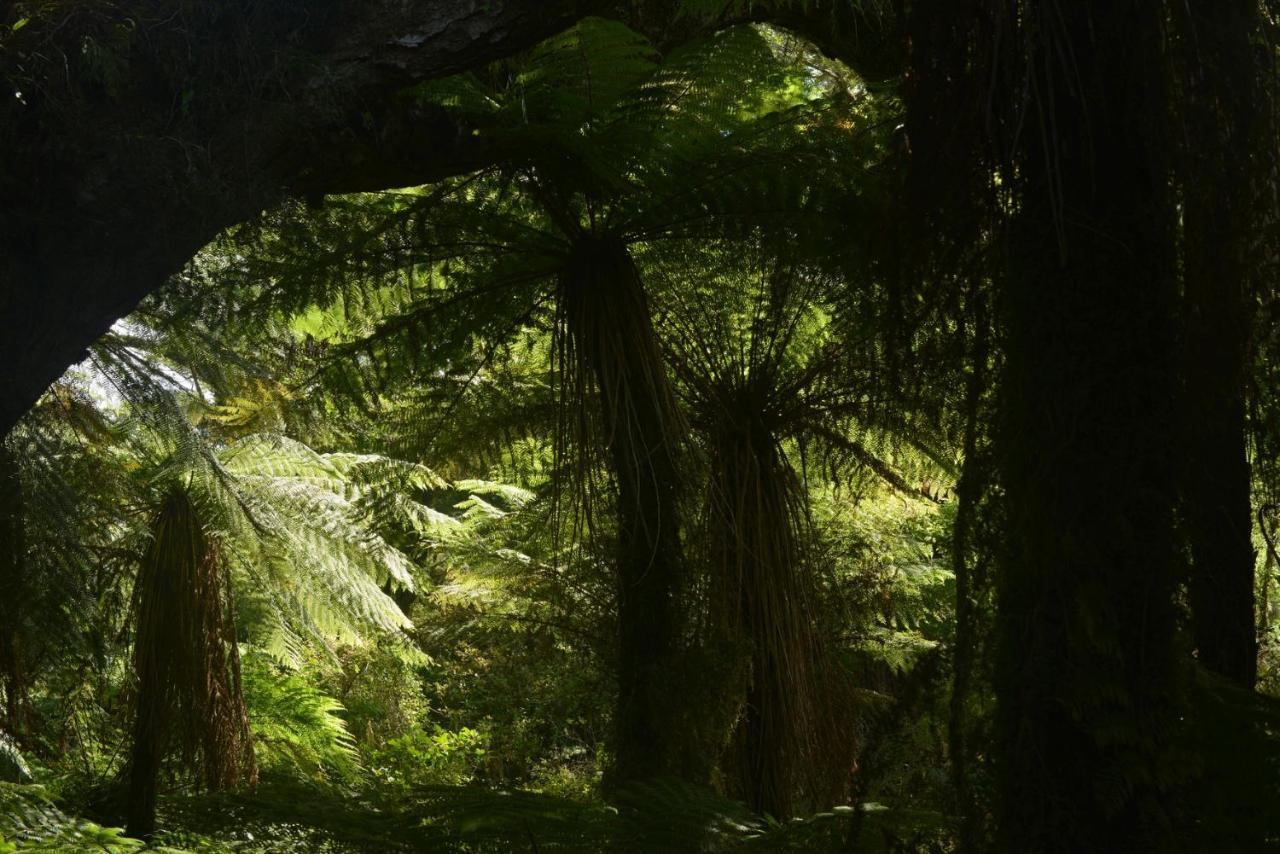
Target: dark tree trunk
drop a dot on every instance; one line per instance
(1220, 206)
(144, 776)
(1215, 470)
(793, 743)
(756, 549)
(1087, 676)
(970, 580)
(13, 591)
(609, 328)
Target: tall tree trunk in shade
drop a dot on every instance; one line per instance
(1087, 676)
(13, 591)
(1220, 207)
(608, 328)
(970, 580)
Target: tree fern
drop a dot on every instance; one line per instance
(187, 664)
(606, 145)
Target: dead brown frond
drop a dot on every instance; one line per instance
(792, 746)
(187, 664)
(793, 737)
(617, 401)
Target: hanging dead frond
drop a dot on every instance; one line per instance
(757, 368)
(793, 736)
(187, 664)
(609, 354)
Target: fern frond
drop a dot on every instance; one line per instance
(294, 724)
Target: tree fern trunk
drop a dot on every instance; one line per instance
(186, 665)
(793, 739)
(1087, 676)
(1219, 206)
(609, 328)
(758, 557)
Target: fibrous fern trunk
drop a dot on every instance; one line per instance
(793, 737)
(610, 336)
(187, 665)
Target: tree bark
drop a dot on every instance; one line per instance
(186, 664)
(970, 493)
(130, 139)
(1087, 679)
(13, 592)
(1220, 208)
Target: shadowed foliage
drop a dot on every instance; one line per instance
(669, 425)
